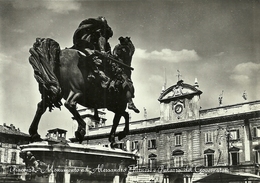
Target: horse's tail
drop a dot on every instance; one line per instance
(45, 62)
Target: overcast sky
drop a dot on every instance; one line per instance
(217, 42)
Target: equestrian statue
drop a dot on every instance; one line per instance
(89, 73)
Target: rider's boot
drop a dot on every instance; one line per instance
(132, 106)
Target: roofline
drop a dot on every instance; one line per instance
(196, 92)
(20, 135)
(57, 129)
(232, 105)
(190, 123)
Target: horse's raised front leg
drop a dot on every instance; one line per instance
(70, 104)
(33, 130)
(112, 134)
(125, 132)
(96, 116)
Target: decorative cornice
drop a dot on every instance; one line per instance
(194, 90)
(196, 122)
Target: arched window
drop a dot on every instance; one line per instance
(177, 158)
(234, 155)
(152, 160)
(209, 157)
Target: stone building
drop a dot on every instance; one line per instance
(186, 143)
(11, 138)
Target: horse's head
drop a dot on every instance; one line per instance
(126, 46)
(125, 40)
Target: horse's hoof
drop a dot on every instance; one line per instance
(121, 135)
(80, 135)
(96, 118)
(36, 138)
(113, 145)
(111, 138)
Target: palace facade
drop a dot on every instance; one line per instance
(10, 140)
(186, 143)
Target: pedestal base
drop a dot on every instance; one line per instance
(64, 163)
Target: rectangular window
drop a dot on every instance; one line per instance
(13, 158)
(234, 157)
(209, 137)
(0, 156)
(178, 140)
(178, 161)
(257, 157)
(209, 159)
(256, 131)
(234, 134)
(135, 145)
(152, 144)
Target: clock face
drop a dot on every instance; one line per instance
(178, 109)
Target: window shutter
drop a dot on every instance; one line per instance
(237, 157)
(237, 134)
(205, 159)
(256, 156)
(255, 132)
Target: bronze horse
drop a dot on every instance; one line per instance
(64, 74)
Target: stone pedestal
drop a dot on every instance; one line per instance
(65, 163)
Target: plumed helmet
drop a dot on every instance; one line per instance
(103, 19)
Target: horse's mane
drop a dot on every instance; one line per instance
(45, 61)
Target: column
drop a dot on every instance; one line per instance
(164, 180)
(52, 178)
(116, 179)
(247, 143)
(184, 179)
(189, 180)
(128, 145)
(66, 177)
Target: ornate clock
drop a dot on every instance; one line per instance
(178, 108)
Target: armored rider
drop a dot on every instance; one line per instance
(93, 34)
(124, 52)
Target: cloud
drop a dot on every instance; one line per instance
(156, 79)
(18, 31)
(245, 72)
(61, 6)
(243, 79)
(247, 68)
(219, 54)
(4, 59)
(168, 55)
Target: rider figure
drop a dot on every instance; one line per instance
(93, 34)
(124, 52)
